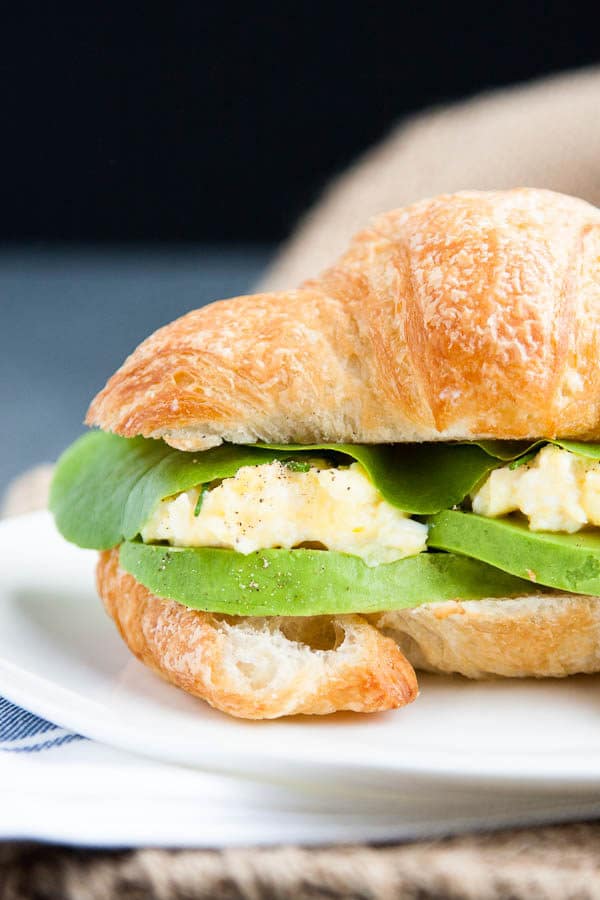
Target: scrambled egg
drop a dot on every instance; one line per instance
(557, 491)
(274, 505)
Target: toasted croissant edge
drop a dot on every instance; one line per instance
(497, 290)
(258, 668)
(545, 635)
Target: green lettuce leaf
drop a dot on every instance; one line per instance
(568, 562)
(106, 487)
(506, 450)
(417, 478)
(512, 450)
(422, 479)
(308, 582)
(591, 451)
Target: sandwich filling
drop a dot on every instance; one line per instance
(336, 528)
(290, 504)
(555, 489)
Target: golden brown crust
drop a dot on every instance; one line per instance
(543, 635)
(394, 343)
(258, 668)
(265, 668)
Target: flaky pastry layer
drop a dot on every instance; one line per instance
(544, 635)
(258, 668)
(471, 315)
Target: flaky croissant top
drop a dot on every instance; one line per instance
(470, 315)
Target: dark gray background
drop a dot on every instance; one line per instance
(221, 121)
(167, 127)
(70, 316)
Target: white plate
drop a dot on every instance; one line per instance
(61, 658)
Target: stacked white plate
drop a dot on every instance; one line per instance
(165, 768)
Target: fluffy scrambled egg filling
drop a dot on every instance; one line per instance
(277, 505)
(557, 491)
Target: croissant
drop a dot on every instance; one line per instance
(465, 317)
(394, 342)
(258, 668)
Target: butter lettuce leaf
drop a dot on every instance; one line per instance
(568, 562)
(422, 479)
(308, 582)
(106, 487)
(507, 451)
(417, 478)
(590, 451)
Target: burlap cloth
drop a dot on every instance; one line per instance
(546, 135)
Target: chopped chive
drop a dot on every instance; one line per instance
(522, 460)
(200, 501)
(296, 466)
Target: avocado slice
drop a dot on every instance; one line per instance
(306, 582)
(569, 562)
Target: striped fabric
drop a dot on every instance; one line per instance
(22, 732)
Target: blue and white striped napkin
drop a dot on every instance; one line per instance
(22, 732)
(58, 786)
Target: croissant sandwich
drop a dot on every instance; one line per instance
(300, 496)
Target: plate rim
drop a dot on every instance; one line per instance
(539, 770)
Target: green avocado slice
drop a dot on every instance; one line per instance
(569, 562)
(308, 582)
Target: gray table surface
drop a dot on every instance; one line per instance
(69, 317)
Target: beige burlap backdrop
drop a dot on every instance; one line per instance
(546, 135)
